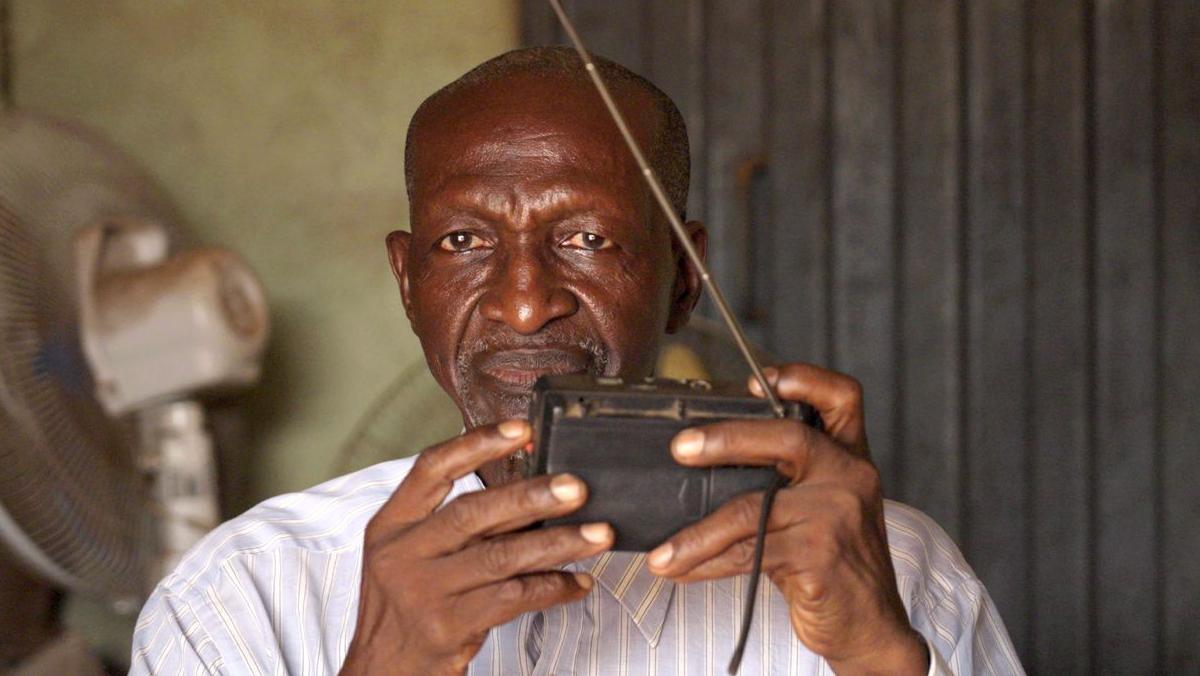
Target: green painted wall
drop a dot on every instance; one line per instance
(278, 128)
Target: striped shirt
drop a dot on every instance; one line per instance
(275, 591)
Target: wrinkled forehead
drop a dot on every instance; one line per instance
(538, 128)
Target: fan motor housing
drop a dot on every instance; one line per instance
(156, 328)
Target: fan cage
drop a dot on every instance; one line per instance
(70, 484)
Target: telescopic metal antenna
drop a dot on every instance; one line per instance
(665, 204)
(735, 328)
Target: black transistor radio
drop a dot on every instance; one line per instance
(616, 436)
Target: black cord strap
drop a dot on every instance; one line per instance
(760, 541)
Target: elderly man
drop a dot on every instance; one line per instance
(535, 248)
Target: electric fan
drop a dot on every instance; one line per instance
(111, 333)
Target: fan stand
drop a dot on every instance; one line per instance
(176, 454)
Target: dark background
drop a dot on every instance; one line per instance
(988, 212)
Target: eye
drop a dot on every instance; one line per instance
(460, 241)
(589, 241)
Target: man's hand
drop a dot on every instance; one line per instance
(434, 581)
(826, 545)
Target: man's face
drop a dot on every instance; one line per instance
(535, 247)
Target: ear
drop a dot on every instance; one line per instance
(398, 242)
(686, 291)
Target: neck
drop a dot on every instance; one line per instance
(504, 471)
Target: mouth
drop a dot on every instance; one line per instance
(516, 371)
(496, 373)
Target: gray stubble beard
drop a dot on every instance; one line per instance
(516, 464)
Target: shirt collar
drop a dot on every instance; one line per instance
(645, 597)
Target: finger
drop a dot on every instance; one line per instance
(809, 526)
(789, 445)
(803, 545)
(437, 468)
(737, 559)
(498, 510)
(732, 522)
(502, 557)
(501, 602)
(836, 396)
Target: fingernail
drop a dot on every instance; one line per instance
(756, 388)
(596, 533)
(660, 557)
(584, 581)
(513, 429)
(688, 443)
(566, 488)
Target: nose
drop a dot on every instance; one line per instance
(526, 294)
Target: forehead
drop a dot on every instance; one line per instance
(526, 129)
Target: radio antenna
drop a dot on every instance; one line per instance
(664, 203)
(710, 284)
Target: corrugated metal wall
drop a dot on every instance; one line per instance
(988, 212)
